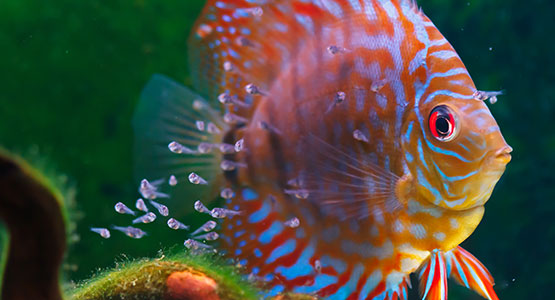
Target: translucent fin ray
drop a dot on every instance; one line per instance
(344, 184)
(168, 112)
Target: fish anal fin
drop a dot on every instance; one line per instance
(468, 271)
(433, 278)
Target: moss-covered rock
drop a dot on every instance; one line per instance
(177, 277)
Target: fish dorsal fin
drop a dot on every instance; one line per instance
(241, 42)
(346, 184)
(253, 39)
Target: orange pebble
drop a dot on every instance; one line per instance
(188, 286)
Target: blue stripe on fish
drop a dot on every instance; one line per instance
(261, 213)
(338, 265)
(320, 281)
(282, 250)
(276, 290)
(371, 283)
(302, 266)
(267, 236)
(249, 194)
(350, 286)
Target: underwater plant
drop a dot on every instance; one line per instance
(34, 246)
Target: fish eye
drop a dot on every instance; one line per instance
(443, 123)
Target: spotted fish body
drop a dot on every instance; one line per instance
(344, 184)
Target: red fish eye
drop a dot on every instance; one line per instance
(442, 123)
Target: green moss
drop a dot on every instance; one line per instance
(146, 279)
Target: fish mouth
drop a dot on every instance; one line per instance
(503, 155)
(495, 163)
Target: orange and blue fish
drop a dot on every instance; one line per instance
(346, 139)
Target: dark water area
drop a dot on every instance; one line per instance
(71, 73)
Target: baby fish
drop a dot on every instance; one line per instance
(201, 208)
(295, 182)
(130, 231)
(162, 209)
(228, 165)
(103, 232)
(194, 178)
(299, 193)
(226, 98)
(210, 236)
(233, 119)
(293, 222)
(220, 213)
(205, 227)
(204, 148)
(172, 181)
(485, 95)
(318, 266)
(123, 209)
(239, 145)
(176, 147)
(200, 125)
(333, 49)
(226, 148)
(359, 136)
(147, 218)
(253, 90)
(140, 205)
(150, 190)
(254, 11)
(176, 225)
(227, 193)
(378, 85)
(195, 245)
(212, 128)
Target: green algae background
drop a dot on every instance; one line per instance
(71, 73)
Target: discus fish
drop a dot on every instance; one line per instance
(362, 150)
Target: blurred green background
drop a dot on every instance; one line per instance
(71, 73)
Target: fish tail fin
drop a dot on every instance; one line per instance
(433, 278)
(177, 132)
(468, 271)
